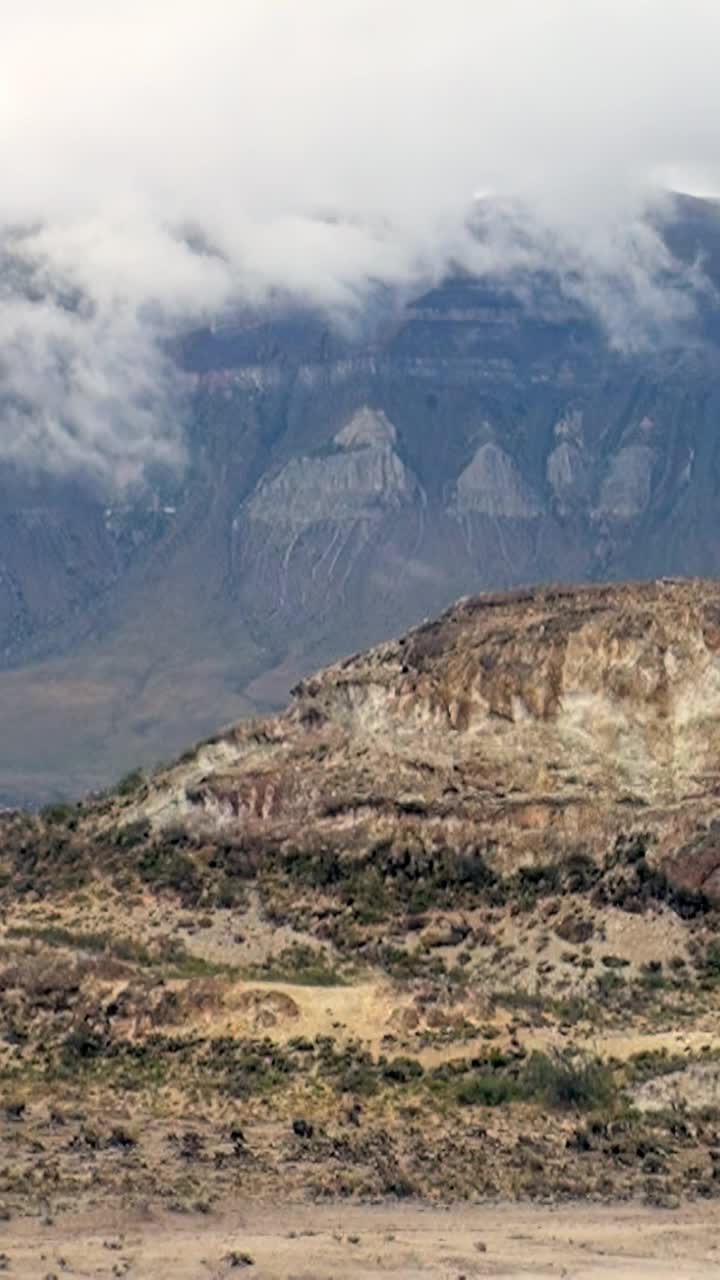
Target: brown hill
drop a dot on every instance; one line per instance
(447, 927)
(523, 726)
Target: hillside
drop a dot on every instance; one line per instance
(446, 927)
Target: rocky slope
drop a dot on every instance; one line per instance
(446, 927)
(526, 726)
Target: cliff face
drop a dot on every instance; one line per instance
(524, 726)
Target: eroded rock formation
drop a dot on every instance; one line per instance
(521, 726)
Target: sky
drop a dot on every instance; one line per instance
(316, 147)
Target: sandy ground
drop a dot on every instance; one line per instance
(344, 1242)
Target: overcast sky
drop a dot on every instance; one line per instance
(317, 144)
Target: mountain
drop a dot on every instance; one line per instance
(341, 486)
(446, 927)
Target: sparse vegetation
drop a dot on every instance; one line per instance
(300, 963)
(130, 783)
(60, 814)
(93, 1010)
(569, 1081)
(75, 940)
(563, 1081)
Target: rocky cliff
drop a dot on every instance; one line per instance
(523, 727)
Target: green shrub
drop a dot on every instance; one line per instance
(130, 783)
(132, 835)
(710, 962)
(81, 1045)
(59, 814)
(166, 867)
(487, 1089)
(565, 1081)
(367, 894)
(301, 964)
(402, 1070)
(652, 976)
(541, 879)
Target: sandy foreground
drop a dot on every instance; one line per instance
(343, 1242)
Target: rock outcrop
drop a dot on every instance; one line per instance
(492, 484)
(361, 478)
(524, 726)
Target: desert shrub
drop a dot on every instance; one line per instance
(573, 1009)
(401, 1070)
(59, 814)
(351, 1068)
(575, 929)
(565, 1081)
(709, 963)
(406, 965)
(386, 878)
(300, 963)
(81, 1045)
(130, 783)
(46, 859)
(580, 873)
(227, 893)
(367, 894)
(77, 940)
(652, 976)
(609, 983)
(517, 998)
(654, 1062)
(535, 880)
(165, 866)
(132, 835)
(487, 1089)
(320, 870)
(245, 1068)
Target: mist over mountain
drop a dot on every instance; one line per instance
(165, 169)
(323, 486)
(315, 318)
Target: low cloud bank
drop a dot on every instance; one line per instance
(165, 163)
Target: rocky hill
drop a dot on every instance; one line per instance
(341, 485)
(448, 926)
(529, 725)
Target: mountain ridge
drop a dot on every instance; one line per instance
(519, 446)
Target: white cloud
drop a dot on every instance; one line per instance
(319, 145)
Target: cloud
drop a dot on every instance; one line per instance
(318, 147)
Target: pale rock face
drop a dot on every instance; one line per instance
(567, 473)
(368, 427)
(361, 481)
(492, 485)
(570, 427)
(626, 489)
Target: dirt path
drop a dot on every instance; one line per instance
(577, 1242)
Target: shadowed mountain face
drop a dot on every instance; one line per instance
(340, 489)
